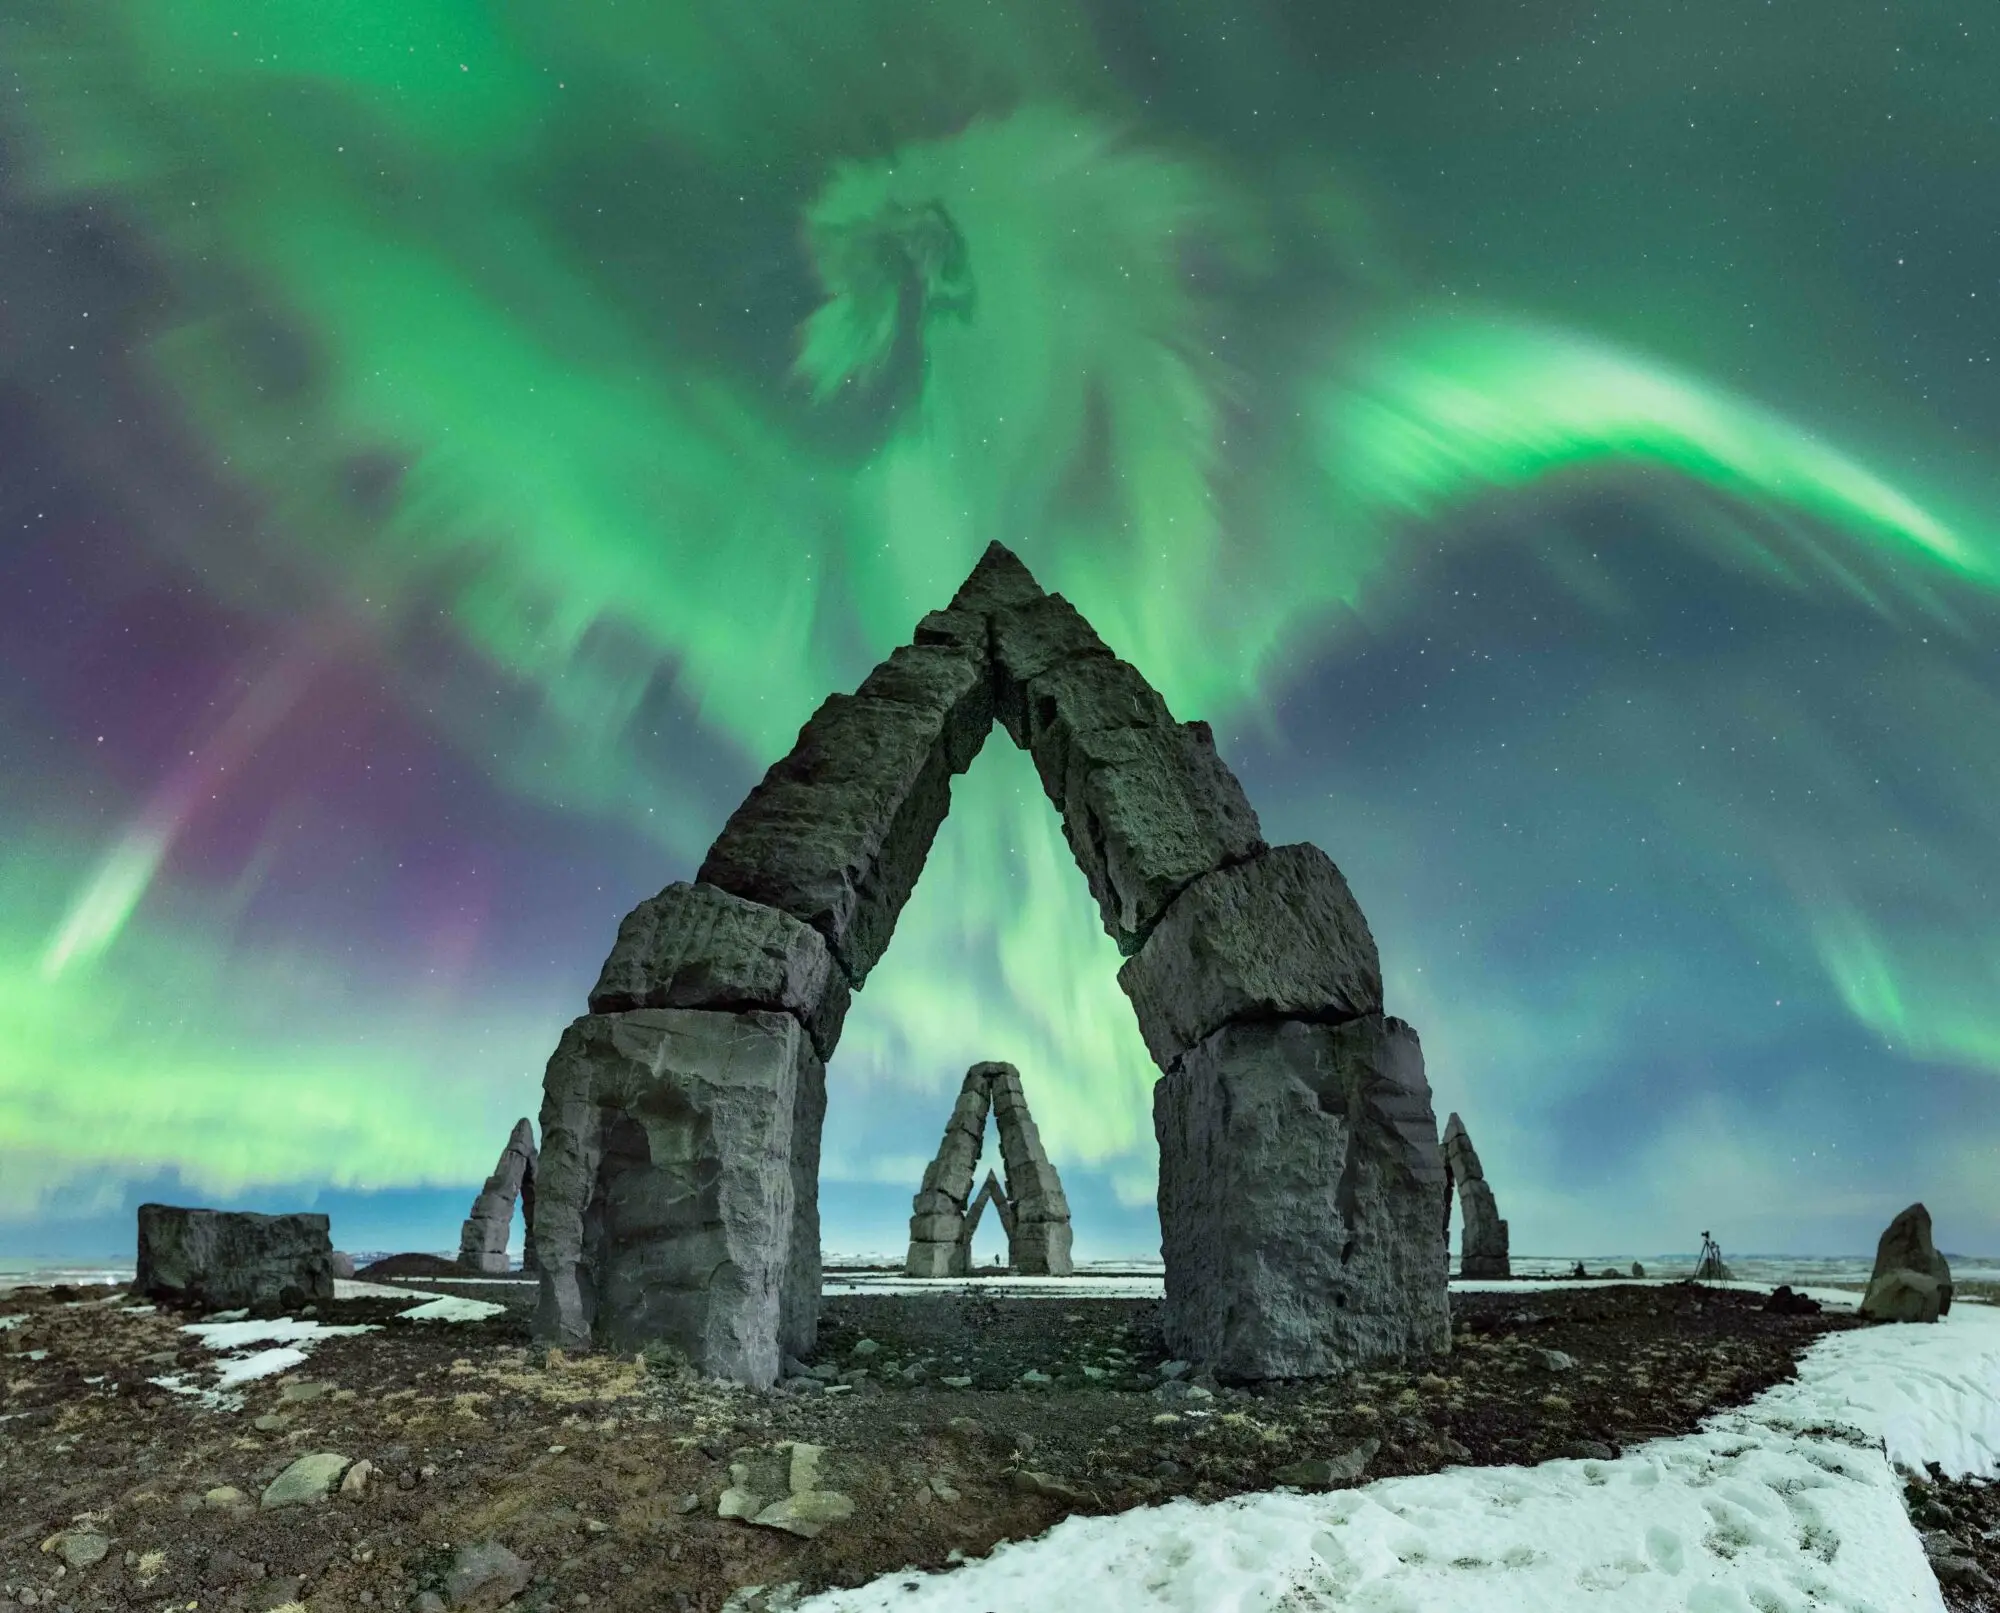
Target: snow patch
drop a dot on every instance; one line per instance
(451, 1308)
(1791, 1503)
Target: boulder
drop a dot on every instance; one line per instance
(343, 1264)
(1903, 1296)
(485, 1576)
(667, 1210)
(1905, 1245)
(696, 946)
(482, 1241)
(1147, 812)
(1784, 1302)
(1268, 1273)
(233, 1259)
(1276, 937)
(309, 1479)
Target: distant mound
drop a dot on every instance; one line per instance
(411, 1266)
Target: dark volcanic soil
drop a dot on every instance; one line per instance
(607, 1474)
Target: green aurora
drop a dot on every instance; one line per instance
(692, 352)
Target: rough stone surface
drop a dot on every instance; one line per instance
(695, 946)
(998, 582)
(667, 1210)
(1277, 937)
(1905, 1248)
(1147, 812)
(1300, 1196)
(1030, 640)
(838, 830)
(1328, 1471)
(1032, 1207)
(308, 1479)
(83, 1548)
(231, 1259)
(485, 1576)
(1082, 696)
(482, 1241)
(1902, 1295)
(1482, 1243)
(943, 679)
(343, 1264)
(798, 1301)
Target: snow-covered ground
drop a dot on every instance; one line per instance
(1790, 1504)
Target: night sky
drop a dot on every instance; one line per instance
(447, 447)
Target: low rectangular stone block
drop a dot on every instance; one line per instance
(233, 1259)
(697, 946)
(936, 1228)
(1277, 936)
(934, 1260)
(1042, 1249)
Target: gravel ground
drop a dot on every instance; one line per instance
(931, 1434)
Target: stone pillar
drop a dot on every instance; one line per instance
(1301, 1186)
(667, 1210)
(1298, 1200)
(482, 1241)
(937, 1213)
(1482, 1243)
(1038, 1236)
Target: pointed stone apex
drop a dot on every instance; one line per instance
(1453, 1127)
(998, 581)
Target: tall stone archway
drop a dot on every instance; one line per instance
(1300, 1178)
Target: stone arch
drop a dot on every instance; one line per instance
(482, 1240)
(1300, 1177)
(1032, 1206)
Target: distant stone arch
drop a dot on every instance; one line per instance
(482, 1241)
(1300, 1177)
(1032, 1206)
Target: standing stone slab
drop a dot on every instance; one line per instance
(667, 1211)
(482, 1241)
(1147, 812)
(1905, 1250)
(1277, 937)
(1482, 1244)
(695, 946)
(231, 1259)
(1300, 1192)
